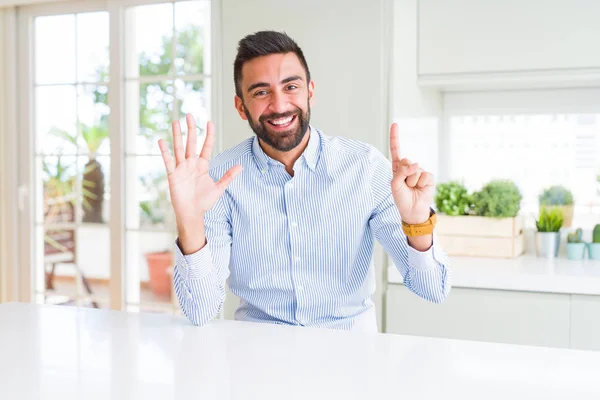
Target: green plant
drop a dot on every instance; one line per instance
(556, 196)
(452, 198)
(497, 199)
(550, 219)
(575, 237)
(596, 234)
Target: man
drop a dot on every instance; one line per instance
(294, 232)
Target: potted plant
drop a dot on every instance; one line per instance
(484, 224)
(559, 196)
(594, 247)
(575, 245)
(548, 231)
(452, 198)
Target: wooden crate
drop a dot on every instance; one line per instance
(481, 236)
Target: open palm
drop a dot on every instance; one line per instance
(193, 191)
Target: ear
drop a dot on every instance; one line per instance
(239, 106)
(311, 92)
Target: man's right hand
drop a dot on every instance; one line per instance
(193, 191)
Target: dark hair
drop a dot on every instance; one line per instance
(260, 44)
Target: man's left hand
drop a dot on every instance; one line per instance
(412, 187)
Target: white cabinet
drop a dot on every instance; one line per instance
(515, 36)
(585, 322)
(540, 319)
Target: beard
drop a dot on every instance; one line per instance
(281, 141)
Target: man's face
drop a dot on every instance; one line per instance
(276, 99)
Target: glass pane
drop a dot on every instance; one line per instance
(76, 266)
(149, 206)
(149, 269)
(149, 46)
(58, 181)
(92, 47)
(55, 49)
(93, 119)
(55, 120)
(194, 98)
(192, 25)
(525, 149)
(94, 182)
(149, 116)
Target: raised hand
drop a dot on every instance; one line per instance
(413, 189)
(193, 191)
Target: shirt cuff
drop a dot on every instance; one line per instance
(429, 259)
(196, 265)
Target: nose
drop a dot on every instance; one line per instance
(278, 103)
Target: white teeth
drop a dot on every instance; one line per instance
(282, 121)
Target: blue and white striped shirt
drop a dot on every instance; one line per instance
(298, 250)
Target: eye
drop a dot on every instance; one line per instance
(260, 93)
(292, 87)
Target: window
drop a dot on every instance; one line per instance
(534, 149)
(90, 146)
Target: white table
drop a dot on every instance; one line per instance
(60, 352)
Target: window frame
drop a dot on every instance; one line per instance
(25, 224)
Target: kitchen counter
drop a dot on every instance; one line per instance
(525, 273)
(62, 353)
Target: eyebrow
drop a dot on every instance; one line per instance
(283, 82)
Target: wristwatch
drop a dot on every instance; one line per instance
(426, 228)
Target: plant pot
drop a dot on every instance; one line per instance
(576, 251)
(158, 265)
(547, 244)
(594, 251)
(567, 212)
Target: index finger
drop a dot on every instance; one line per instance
(394, 146)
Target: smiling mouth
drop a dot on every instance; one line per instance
(282, 122)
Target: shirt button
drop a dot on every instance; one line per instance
(189, 295)
(296, 258)
(300, 287)
(291, 186)
(263, 171)
(294, 224)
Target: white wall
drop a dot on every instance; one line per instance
(344, 42)
(416, 110)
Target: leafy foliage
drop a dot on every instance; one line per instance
(550, 219)
(452, 198)
(498, 199)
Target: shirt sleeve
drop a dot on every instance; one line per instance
(427, 273)
(199, 278)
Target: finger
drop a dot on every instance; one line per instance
(412, 179)
(209, 141)
(229, 177)
(190, 149)
(405, 169)
(177, 143)
(425, 180)
(166, 156)
(394, 146)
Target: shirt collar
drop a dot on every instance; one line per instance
(310, 153)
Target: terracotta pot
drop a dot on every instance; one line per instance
(158, 264)
(568, 215)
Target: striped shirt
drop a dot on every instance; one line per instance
(299, 250)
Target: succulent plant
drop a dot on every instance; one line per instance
(575, 237)
(596, 234)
